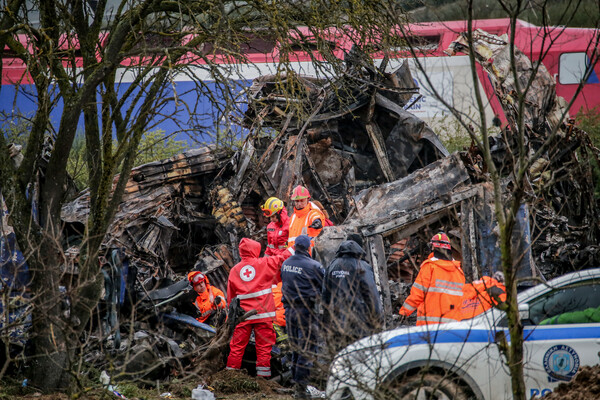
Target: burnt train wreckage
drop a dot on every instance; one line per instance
(377, 169)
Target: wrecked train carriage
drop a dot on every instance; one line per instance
(559, 185)
(335, 136)
(397, 220)
(170, 212)
(557, 224)
(166, 217)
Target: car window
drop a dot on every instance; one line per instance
(573, 298)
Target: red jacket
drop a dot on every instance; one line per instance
(277, 234)
(252, 279)
(436, 293)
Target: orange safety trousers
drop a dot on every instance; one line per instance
(279, 310)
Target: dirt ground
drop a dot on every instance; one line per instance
(236, 385)
(585, 386)
(226, 385)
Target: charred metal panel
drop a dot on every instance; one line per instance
(328, 241)
(379, 209)
(334, 136)
(480, 247)
(161, 198)
(376, 253)
(410, 143)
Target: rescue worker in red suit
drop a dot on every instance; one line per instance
(277, 236)
(210, 300)
(278, 228)
(251, 281)
(481, 295)
(307, 218)
(437, 291)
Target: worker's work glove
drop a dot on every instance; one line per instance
(317, 224)
(403, 320)
(495, 292)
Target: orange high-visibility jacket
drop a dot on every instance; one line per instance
(279, 310)
(301, 220)
(476, 298)
(205, 302)
(436, 293)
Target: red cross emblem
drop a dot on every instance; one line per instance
(247, 273)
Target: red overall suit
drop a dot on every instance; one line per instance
(251, 280)
(436, 293)
(277, 234)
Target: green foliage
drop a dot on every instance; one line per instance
(130, 390)
(589, 121)
(556, 12)
(76, 166)
(452, 134)
(154, 146)
(236, 384)
(16, 130)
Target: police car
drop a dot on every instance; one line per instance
(463, 360)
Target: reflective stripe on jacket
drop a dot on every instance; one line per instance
(436, 293)
(252, 278)
(277, 234)
(301, 220)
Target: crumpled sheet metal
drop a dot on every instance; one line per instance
(382, 203)
(158, 197)
(494, 54)
(564, 214)
(148, 177)
(335, 137)
(271, 98)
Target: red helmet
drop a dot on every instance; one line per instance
(441, 241)
(196, 277)
(299, 193)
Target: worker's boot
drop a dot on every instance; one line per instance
(300, 392)
(314, 393)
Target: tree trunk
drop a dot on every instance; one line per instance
(515, 351)
(50, 342)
